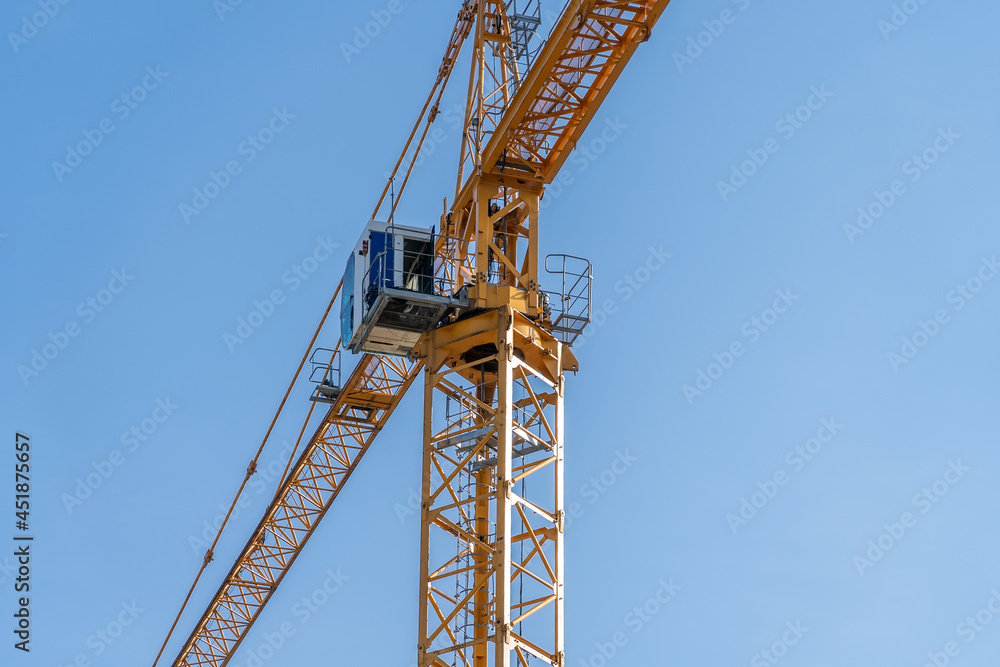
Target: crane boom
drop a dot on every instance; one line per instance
(366, 401)
(587, 51)
(523, 150)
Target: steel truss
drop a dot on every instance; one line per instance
(492, 496)
(368, 398)
(587, 51)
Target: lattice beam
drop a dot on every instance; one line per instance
(368, 399)
(586, 53)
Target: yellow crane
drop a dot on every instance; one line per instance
(462, 305)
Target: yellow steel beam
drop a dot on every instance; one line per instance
(589, 48)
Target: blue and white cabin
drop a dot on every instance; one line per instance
(390, 296)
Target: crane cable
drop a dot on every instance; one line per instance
(251, 469)
(461, 31)
(305, 424)
(440, 84)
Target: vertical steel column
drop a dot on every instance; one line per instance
(423, 622)
(504, 481)
(560, 514)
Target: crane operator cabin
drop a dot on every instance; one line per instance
(390, 295)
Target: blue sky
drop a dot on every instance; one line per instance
(746, 159)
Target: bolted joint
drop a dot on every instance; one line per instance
(252, 468)
(209, 556)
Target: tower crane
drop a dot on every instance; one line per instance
(460, 305)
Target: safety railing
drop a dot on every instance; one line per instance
(425, 271)
(525, 43)
(569, 308)
(325, 374)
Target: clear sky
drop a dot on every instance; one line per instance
(804, 391)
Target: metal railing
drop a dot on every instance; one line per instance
(325, 374)
(425, 272)
(525, 19)
(570, 307)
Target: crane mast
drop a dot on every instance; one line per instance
(492, 520)
(492, 514)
